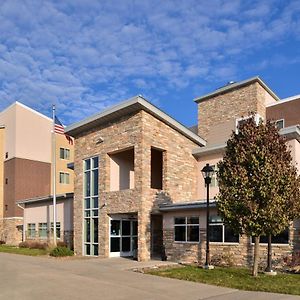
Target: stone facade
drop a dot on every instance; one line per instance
(236, 254)
(223, 109)
(139, 131)
(11, 230)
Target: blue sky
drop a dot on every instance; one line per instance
(86, 55)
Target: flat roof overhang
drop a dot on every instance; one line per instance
(186, 205)
(46, 198)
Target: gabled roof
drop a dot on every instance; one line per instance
(132, 105)
(235, 85)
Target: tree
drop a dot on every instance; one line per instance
(258, 183)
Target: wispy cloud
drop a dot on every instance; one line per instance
(86, 55)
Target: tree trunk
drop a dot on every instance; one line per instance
(256, 256)
(269, 266)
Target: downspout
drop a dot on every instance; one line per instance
(23, 231)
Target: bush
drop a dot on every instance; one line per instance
(61, 244)
(61, 251)
(2, 243)
(33, 245)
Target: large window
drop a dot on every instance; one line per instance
(91, 205)
(186, 229)
(64, 178)
(214, 178)
(57, 229)
(43, 230)
(64, 153)
(281, 238)
(31, 230)
(221, 233)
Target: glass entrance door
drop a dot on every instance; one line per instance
(123, 237)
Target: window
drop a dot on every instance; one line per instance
(186, 229)
(6, 180)
(6, 154)
(64, 178)
(239, 122)
(91, 205)
(57, 229)
(156, 169)
(31, 230)
(214, 178)
(64, 153)
(221, 233)
(43, 230)
(281, 238)
(122, 170)
(279, 124)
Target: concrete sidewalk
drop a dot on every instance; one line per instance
(35, 278)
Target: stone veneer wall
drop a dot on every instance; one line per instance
(238, 254)
(231, 105)
(11, 230)
(140, 131)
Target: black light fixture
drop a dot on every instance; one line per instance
(207, 173)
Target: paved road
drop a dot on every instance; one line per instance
(35, 278)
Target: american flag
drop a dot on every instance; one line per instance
(58, 127)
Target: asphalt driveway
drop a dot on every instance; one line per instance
(30, 278)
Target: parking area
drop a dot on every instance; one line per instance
(31, 278)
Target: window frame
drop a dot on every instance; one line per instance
(58, 230)
(66, 153)
(223, 234)
(91, 212)
(274, 244)
(283, 123)
(186, 225)
(66, 177)
(41, 227)
(30, 230)
(257, 117)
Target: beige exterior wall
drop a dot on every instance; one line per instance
(42, 212)
(33, 135)
(2, 155)
(61, 165)
(211, 159)
(8, 119)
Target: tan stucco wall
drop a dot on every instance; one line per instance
(8, 119)
(33, 135)
(42, 212)
(211, 159)
(61, 165)
(2, 155)
(294, 147)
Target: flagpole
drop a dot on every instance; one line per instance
(54, 175)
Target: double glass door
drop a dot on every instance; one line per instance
(123, 237)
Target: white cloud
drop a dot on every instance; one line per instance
(86, 55)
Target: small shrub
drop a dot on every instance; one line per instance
(61, 251)
(225, 259)
(33, 245)
(61, 244)
(2, 242)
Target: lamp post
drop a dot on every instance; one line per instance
(207, 173)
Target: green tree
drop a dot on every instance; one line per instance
(258, 183)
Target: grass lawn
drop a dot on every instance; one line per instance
(24, 251)
(237, 278)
